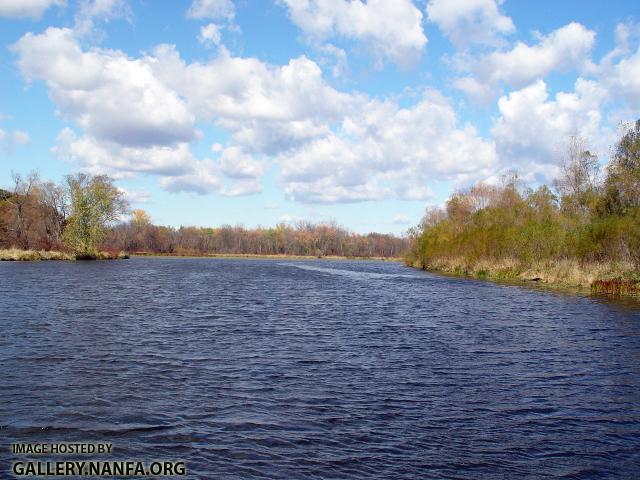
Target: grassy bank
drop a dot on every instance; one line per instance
(18, 255)
(582, 231)
(618, 278)
(266, 257)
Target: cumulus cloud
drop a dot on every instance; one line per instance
(214, 9)
(390, 29)
(623, 79)
(138, 116)
(209, 35)
(201, 179)
(619, 70)
(470, 21)
(236, 163)
(564, 49)
(111, 96)
(532, 129)
(382, 150)
(27, 8)
(267, 108)
(112, 158)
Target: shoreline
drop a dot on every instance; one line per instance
(18, 255)
(596, 279)
(249, 256)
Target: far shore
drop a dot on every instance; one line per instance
(18, 255)
(265, 257)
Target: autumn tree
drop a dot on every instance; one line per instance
(95, 204)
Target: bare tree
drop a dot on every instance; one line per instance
(21, 202)
(579, 169)
(55, 205)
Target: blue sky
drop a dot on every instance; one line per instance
(211, 112)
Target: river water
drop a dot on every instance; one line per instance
(317, 369)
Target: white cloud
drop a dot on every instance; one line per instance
(216, 9)
(336, 58)
(564, 49)
(136, 196)
(242, 187)
(20, 137)
(209, 35)
(390, 29)
(623, 79)
(475, 89)
(111, 96)
(9, 140)
(98, 156)
(201, 179)
(105, 10)
(268, 108)
(382, 150)
(178, 169)
(401, 219)
(470, 21)
(138, 115)
(235, 163)
(533, 129)
(27, 8)
(619, 70)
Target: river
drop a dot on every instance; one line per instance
(318, 369)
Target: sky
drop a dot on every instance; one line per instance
(256, 112)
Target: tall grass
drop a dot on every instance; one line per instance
(561, 272)
(17, 255)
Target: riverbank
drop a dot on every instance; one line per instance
(265, 257)
(18, 255)
(600, 278)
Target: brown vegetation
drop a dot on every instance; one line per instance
(303, 240)
(584, 230)
(80, 219)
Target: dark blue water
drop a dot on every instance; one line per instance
(318, 369)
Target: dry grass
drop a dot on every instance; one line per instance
(565, 272)
(17, 255)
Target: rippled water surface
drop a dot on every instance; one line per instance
(318, 369)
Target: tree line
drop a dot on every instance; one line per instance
(587, 214)
(304, 238)
(88, 214)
